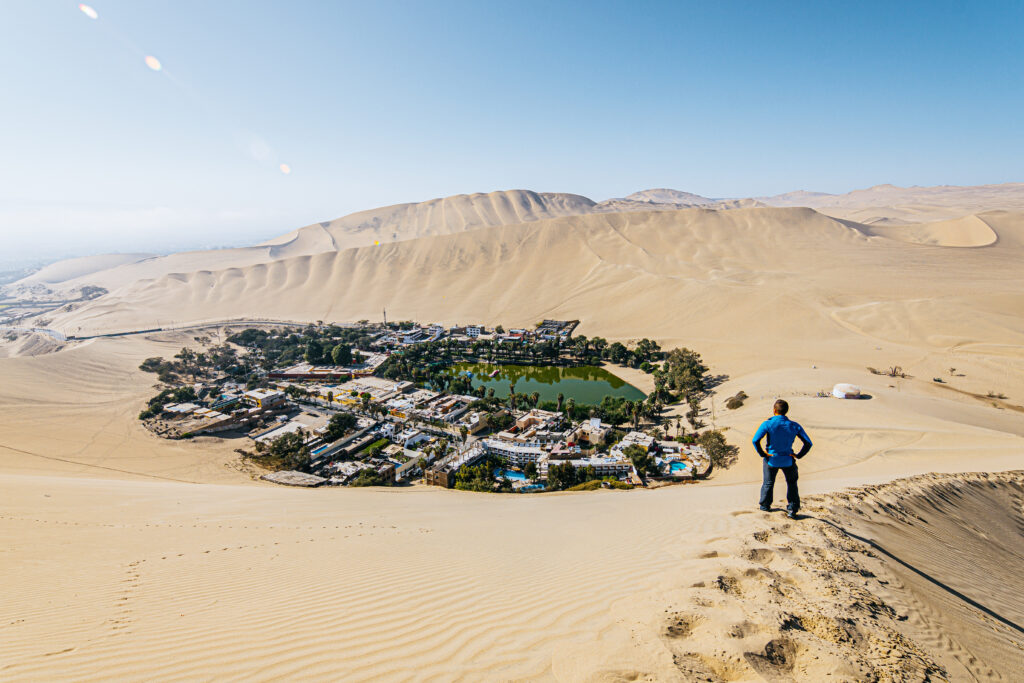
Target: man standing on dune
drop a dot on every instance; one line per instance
(781, 432)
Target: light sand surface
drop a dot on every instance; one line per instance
(125, 556)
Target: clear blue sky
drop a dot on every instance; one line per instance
(373, 103)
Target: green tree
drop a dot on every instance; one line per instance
(339, 425)
(314, 352)
(289, 451)
(561, 476)
(641, 459)
(720, 453)
(341, 354)
(368, 477)
(618, 353)
(684, 372)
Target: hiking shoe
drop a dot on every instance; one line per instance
(764, 509)
(791, 515)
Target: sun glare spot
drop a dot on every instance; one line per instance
(153, 63)
(89, 11)
(285, 168)
(376, 243)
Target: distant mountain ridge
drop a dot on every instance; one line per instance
(882, 206)
(667, 196)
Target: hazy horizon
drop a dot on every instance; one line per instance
(368, 106)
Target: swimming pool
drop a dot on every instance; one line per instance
(509, 474)
(678, 467)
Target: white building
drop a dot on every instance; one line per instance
(517, 454)
(411, 437)
(603, 467)
(645, 441)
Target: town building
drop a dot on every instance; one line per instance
(264, 398)
(443, 472)
(644, 441)
(603, 466)
(515, 453)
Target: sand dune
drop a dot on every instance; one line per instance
(796, 263)
(914, 580)
(883, 207)
(441, 217)
(968, 231)
(908, 204)
(387, 224)
(75, 268)
(183, 581)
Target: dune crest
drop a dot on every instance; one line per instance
(898, 581)
(444, 216)
(882, 207)
(75, 268)
(968, 231)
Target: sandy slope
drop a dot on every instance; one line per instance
(882, 206)
(441, 217)
(386, 224)
(907, 204)
(176, 581)
(76, 268)
(914, 580)
(967, 231)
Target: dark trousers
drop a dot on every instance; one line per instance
(792, 493)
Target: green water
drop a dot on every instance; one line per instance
(586, 384)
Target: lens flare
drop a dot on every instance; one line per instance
(285, 168)
(153, 63)
(376, 243)
(89, 11)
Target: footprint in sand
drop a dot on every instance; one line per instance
(681, 625)
(760, 555)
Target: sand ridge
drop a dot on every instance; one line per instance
(876, 583)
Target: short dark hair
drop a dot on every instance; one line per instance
(781, 407)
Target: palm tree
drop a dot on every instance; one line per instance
(561, 399)
(534, 399)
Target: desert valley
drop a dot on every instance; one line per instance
(130, 555)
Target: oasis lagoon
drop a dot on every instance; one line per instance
(585, 384)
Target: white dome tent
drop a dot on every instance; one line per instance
(846, 391)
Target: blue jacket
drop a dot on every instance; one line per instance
(781, 432)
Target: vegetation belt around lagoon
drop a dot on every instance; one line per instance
(679, 377)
